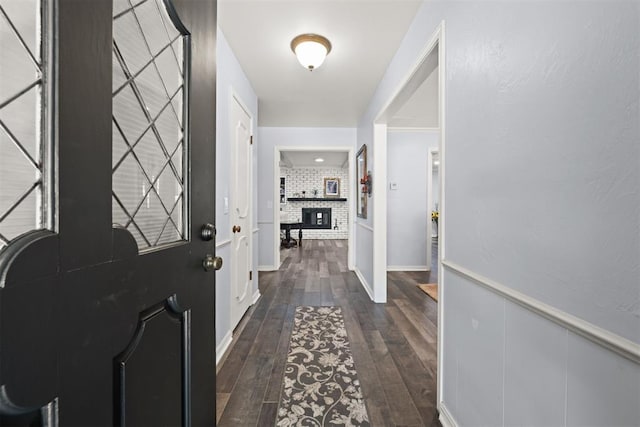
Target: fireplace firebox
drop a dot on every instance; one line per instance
(316, 218)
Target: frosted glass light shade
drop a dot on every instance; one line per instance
(311, 50)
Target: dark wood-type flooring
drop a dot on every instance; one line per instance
(393, 344)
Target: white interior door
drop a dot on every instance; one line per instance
(240, 212)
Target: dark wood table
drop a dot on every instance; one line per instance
(287, 226)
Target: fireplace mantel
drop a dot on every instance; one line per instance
(316, 199)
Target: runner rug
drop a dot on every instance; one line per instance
(321, 386)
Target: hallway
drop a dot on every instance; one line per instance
(393, 344)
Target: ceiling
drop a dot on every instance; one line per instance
(301, 159)
(365, 34)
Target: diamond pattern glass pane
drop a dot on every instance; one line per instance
(178, 51)
(24, 17)
(150, 155)
(151, 218)
(119, 217)
(169, 129)
(168, 188)
(169, 71)
(148, 190)
(21, 118)
(170, 234)
(176, 215)
(119, 76)
(120, 148)
(153, 93)
(17, 173)
(19, 69)
(128, 39)
(152, 26)
(177, 105)
(120, 6)
(171, 29)
(130, 184)
(21, 217)
(128, 113)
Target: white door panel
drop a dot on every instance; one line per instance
(242, 284)
(240, 212)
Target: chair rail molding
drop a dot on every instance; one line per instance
(620, 345)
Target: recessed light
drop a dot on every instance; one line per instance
(319, 159)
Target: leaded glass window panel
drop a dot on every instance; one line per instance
(149, 110)
(23, 124)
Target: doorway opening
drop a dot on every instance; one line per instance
(314, 187)
(415, 107)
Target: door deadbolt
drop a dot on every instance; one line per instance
(210, 263)
(207, 232)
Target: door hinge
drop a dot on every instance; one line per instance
(251, 140)
(251, 275)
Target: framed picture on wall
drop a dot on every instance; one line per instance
(361, 175)
(332, 187)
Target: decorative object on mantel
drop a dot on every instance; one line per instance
(314, 192)
(361, 173)
(332, 187)
(304, 193)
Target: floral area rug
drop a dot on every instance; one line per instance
(321, 387)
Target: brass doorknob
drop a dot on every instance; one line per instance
(210, 263)
(236, 229)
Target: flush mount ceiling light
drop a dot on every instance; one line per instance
(319, 160)
(310, 49)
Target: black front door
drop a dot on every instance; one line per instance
(107, 314)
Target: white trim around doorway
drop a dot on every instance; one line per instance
(403, 91)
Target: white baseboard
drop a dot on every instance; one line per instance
(223, 346)
(407, 268)
(364, 283)
(256, 296)
(266, 268)
(445, 416)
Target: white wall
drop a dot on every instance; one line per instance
(230, 79)
(542, 170)
(408, 215)
(268, 139)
